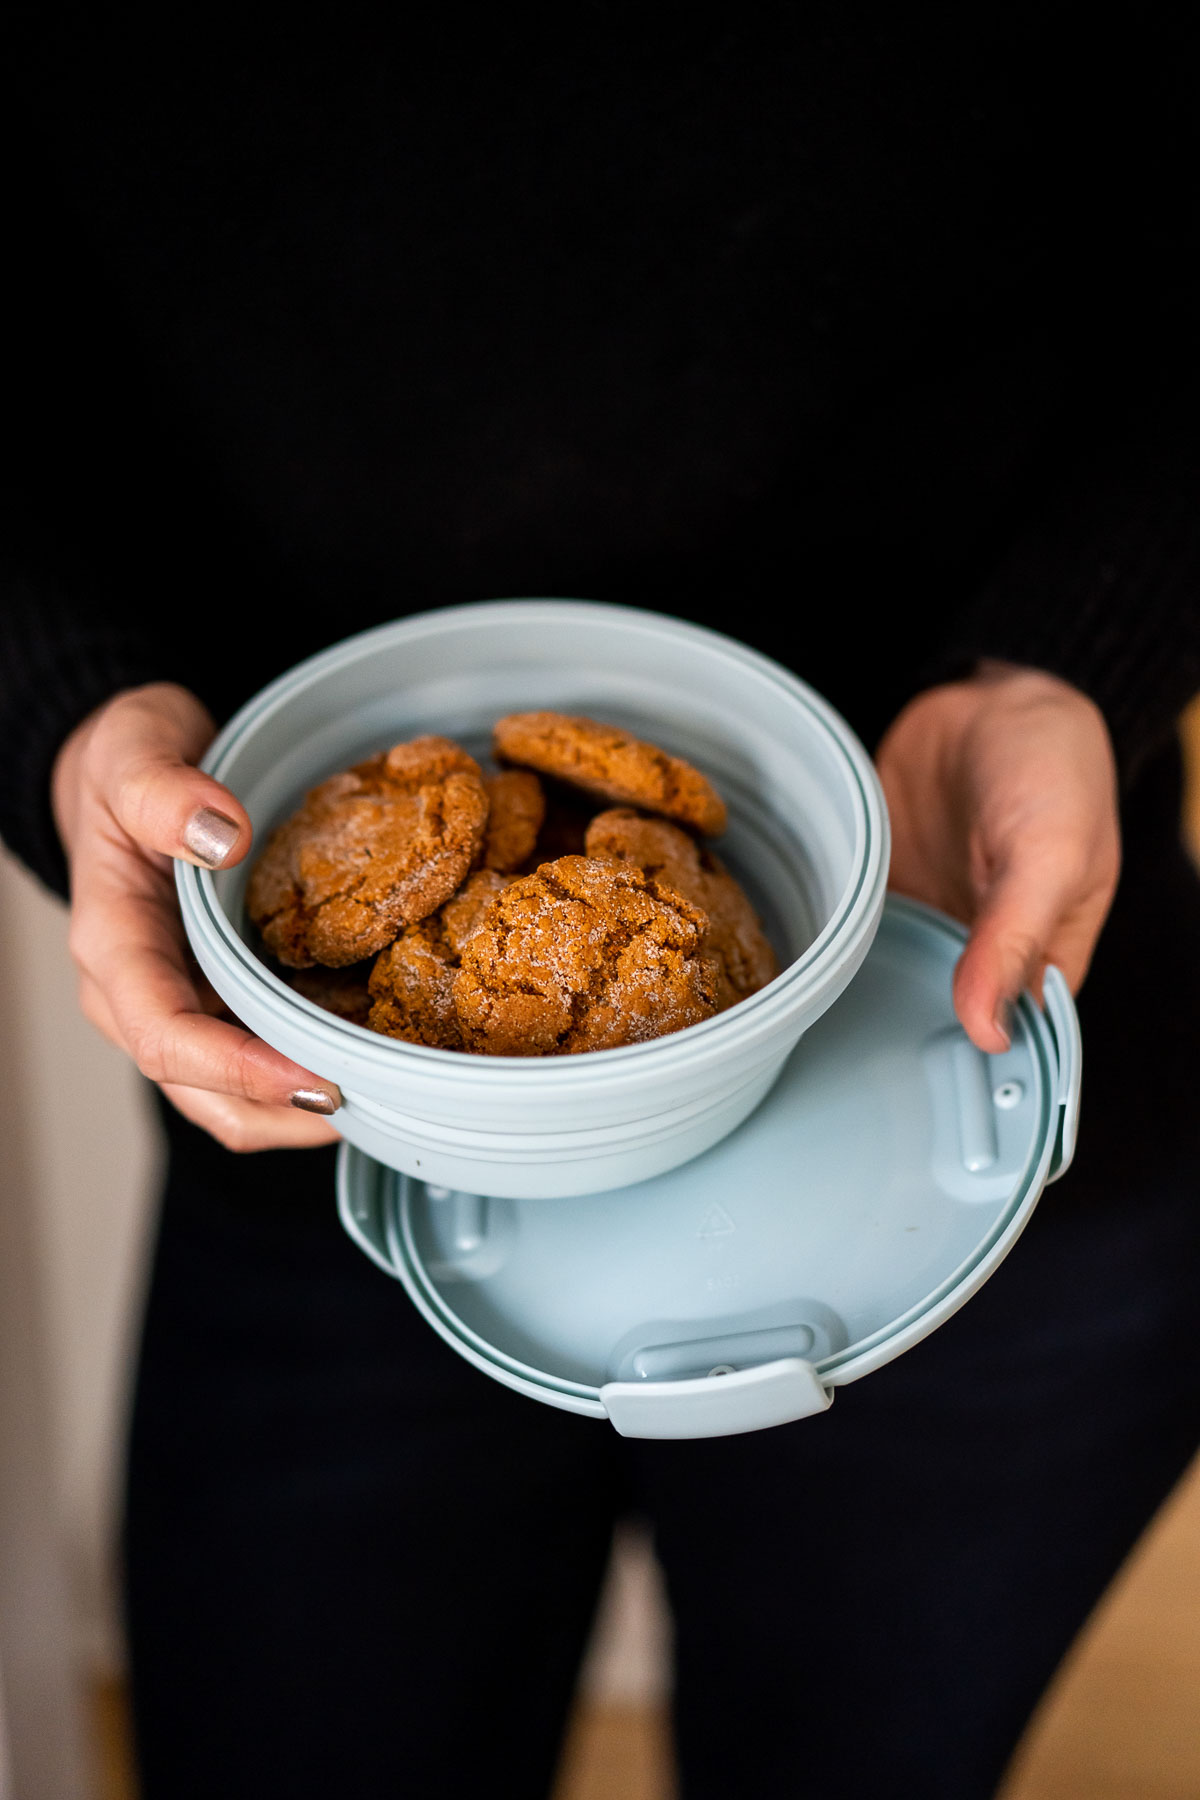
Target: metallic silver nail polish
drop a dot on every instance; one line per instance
(316, 1100)
(210, 836)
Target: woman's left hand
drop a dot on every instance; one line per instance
(1003, 799)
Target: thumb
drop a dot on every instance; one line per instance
(142, 758)
(1007, 952)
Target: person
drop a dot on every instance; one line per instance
(864, 340)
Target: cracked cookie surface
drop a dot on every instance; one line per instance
(736, 938)
(610, 762)
(583, 954)
(412, 982)
(370, 851)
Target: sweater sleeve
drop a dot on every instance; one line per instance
(1103, 589)
(74, 624)
(1098, 579)
(62, 653)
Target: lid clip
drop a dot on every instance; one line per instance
(715, 1405)
(1064, 1022)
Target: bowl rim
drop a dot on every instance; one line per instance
(854, 916)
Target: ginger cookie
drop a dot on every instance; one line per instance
(517, 807)
(612, 763)
(462, 915)
(583, 955)
(411, 986)
(370, 851)
(735, 938)
(342, 992)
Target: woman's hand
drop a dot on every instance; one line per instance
(127, 799)
(1002, 793)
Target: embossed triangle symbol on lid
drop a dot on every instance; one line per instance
(717, 1223)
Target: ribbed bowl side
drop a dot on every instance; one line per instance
(808, 837)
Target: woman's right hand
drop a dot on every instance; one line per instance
(128, 798)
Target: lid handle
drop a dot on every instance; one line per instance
(358, 1205)
(1064, 1022)
(717, 1405)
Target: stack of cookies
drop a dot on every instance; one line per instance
(506, 914)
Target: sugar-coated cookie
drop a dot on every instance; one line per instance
(411, 986)
(370, 851)
(517, 807)
(583, 954)
(612, 763)
(735, 937)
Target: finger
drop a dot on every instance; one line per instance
(128, 947)
(244, 1125)
(1009, 947)
(98, 1013)
(238, 1124)
(1048, 908)
(142, 758)
(173, 1045)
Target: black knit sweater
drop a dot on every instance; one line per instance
(867, 342)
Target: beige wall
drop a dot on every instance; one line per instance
(91, 1161)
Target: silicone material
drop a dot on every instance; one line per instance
(808, 835)
(1060, 1010)
(743, 1400)
(885, 1176)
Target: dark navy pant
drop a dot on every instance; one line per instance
(357, 1567)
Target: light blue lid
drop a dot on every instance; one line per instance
(880, 1182)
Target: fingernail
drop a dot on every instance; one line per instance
(1003, 1022)
(210, 836)
(316, 1100)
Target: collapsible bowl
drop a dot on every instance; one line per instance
(765, 1206)
(808, 836)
